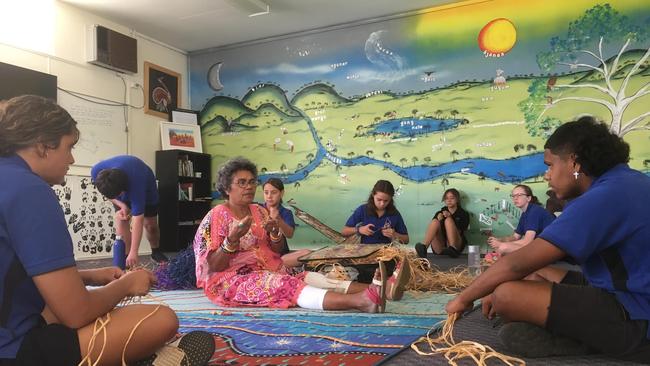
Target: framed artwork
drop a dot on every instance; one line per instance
(180, 136)
(162, 90)
(187, 116)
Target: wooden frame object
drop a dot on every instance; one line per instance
(162, 89)
(180, 136)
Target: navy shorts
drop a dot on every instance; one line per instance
(149, 210)
(596, 318)
(47, 345)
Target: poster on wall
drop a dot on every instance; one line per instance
(163, 90)
(89, 217)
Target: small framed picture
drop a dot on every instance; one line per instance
(162, 89)
(187, 116)
(180, 136)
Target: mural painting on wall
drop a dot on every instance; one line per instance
(459, 96)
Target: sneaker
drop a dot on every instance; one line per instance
(158, 256)
(193, 349)
(529, 340)
(451, 252)
(421, 249)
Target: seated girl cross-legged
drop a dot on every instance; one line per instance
(446, 232)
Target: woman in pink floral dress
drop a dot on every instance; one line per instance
(238, 262)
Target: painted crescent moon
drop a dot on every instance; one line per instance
(213, 76)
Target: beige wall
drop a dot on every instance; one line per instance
(64, 29)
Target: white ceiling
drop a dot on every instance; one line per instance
(192, 25)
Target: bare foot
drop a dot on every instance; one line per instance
(356, 287)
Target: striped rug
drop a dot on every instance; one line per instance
(261, 336)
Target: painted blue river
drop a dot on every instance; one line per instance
(513, 170)
(508, 170)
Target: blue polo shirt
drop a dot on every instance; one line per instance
(34, 239)
(607, 231)
(362, 216)
(287, 216)
(142, 190)
(535, 218)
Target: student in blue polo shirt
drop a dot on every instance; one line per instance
(273, 190)
(130, 185)
(378, 221)
(605, 228)
(533, 220)
(47, 314)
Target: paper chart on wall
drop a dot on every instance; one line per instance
(89, 217)
(102, 129)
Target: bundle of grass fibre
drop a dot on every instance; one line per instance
(179, 273)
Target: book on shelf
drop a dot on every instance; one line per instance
(185, 192)
(189, 223)
(185, 166)
(203, 199)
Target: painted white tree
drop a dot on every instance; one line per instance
(609, 78)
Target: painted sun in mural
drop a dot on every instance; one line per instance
(497, 37)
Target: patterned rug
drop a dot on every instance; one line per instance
(253, 336)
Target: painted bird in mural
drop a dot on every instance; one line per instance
(161, 96)
(551, 83)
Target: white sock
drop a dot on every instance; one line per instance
(311, 298)
(319, 280)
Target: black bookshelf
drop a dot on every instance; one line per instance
(185, 195)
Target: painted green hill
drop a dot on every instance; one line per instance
(264, 94)
(626, 62)
(267, 114)
(226, 107)
(317, 95)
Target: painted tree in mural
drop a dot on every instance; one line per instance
(606, 81)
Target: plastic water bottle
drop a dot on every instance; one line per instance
(473, 260)
(119, 253)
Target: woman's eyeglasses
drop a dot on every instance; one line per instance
(517, 195)
(242, 183)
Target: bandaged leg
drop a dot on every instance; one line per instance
(320, 281)
(311, 298)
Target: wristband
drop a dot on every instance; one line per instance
(227, 250)
(277, 238)
(356, 227)
(225, 246)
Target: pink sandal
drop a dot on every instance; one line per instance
(398, 281)
(376, 292)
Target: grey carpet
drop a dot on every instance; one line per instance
(475, 327)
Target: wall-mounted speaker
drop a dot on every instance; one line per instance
(113, 50)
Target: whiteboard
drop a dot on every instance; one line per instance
(102, 129)
(89, 217)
